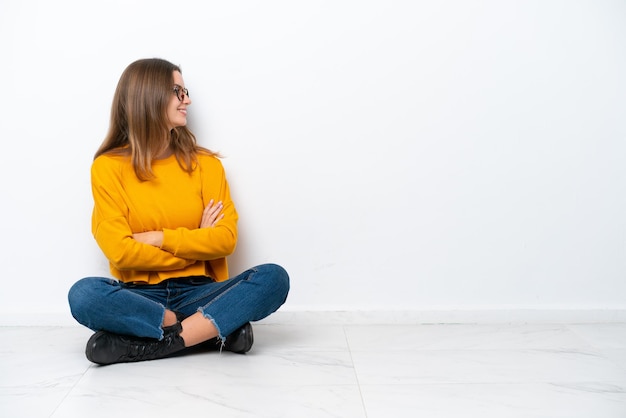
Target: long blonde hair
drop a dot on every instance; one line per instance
(138, 124)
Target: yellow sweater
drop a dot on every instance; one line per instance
(173, 203)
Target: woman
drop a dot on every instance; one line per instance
(164, 218)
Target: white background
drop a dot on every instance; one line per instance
(392, 155)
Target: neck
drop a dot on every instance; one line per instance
(163, 153)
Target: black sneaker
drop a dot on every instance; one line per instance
(241, 340)
(107, 348)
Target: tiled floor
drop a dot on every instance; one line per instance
(501, 371)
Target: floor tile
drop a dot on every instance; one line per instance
(214, 369)
(484, 366)
(31, 402)
(290, 338)
(40, 356)
(38, 368)
(482, 370)
(602, 335)
(463, 337)
(617, 356)
(495, 401)
(219, 400)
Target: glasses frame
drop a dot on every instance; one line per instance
(180, 92)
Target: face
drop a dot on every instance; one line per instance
(177, 109)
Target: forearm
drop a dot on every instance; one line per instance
(126, 253)
(154, 238)
(216, 237)
(141, 257)
(201, 243)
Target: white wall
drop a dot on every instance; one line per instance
(390, 154)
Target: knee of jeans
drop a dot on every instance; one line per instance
(279, 278)
(76, 296)
(80, 296)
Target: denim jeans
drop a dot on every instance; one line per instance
(105, 304)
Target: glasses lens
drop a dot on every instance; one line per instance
(181, 93)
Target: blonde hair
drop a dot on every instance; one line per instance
(138, 125)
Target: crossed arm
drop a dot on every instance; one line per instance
(211, 215)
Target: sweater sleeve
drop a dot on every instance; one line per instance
(111, 229)
(208, 243)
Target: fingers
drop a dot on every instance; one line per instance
(219, 218)
(212, 214)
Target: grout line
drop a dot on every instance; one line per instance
(356, 375)
(71, 389)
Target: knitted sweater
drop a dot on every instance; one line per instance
(172, 202)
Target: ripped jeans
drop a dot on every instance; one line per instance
(105, 304)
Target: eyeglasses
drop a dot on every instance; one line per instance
(180, 92)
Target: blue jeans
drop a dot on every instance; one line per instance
(130, 309)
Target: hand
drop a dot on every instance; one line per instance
(154, 238)
(212, 214)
